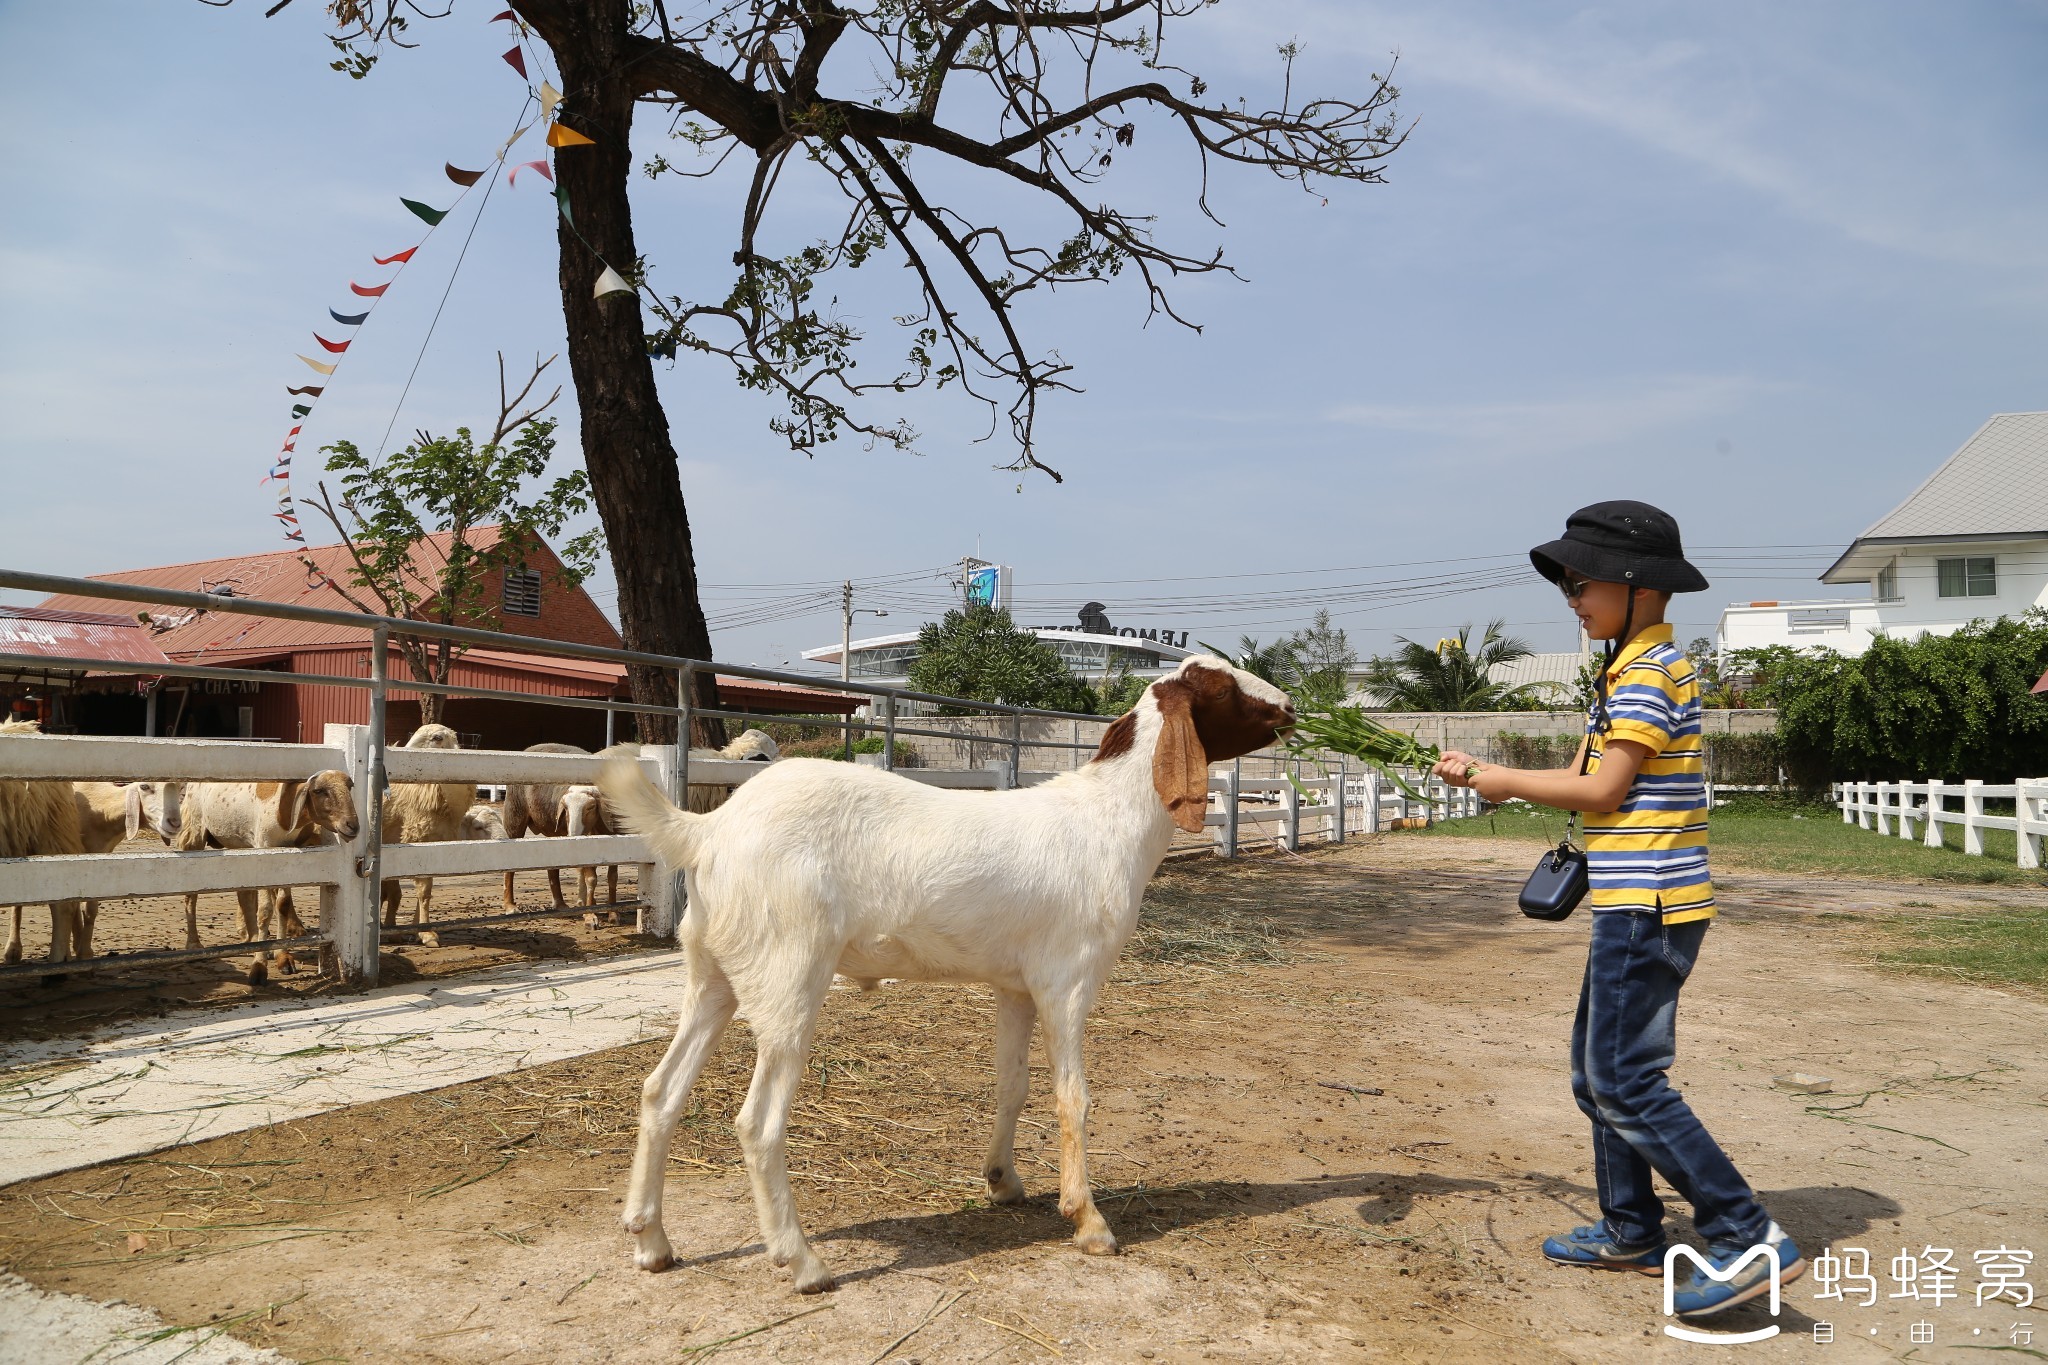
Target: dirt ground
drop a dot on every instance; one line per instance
(40, 1004)
(1331, 1121)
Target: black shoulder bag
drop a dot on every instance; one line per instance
(1559, 882)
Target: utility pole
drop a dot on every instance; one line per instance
(846, 615)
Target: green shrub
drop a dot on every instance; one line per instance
(833, 746)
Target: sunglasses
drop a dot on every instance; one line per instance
(1573, 588)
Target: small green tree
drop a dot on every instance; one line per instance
(1453, 676)
(980, 654)
(1323, 660)
(386, 511)
(1118, 692)
(1277, 662)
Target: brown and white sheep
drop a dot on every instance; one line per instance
(39, 819)
(424, 813)
(265, 815)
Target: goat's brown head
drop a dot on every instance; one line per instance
(1209, 712)
(325, 802)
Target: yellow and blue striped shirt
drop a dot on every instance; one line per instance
(1652, 853)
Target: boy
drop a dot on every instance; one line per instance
(1640, 782)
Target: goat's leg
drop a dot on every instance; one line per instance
(1015, 1014)
(88, 917)
(63, 930)
(423, 910)
(192, 919)
(586, 886)
(611, 884)
(392, 894)
(506, 902)
(246, 900)
(13, 950)
(1065, 1021)
(256, 925)
(782, 1027)
(708, 1006)
(555, 887)
(289, 925)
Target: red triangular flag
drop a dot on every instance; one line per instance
(337, 347)
(539, 168)
(376, 293)
(404, 255)
(508, 14)
(516, 60)
(462, 177)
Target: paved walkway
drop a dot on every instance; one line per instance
(64, 1329)
(140, 1087)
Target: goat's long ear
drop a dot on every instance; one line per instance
(291, 805)
(1180, 767)
(133, 800)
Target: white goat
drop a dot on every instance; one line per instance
(266, 815)
(39, 818)
(424, 813)
(815, 868)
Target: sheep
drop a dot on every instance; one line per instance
(483, 822)
(816, 868)
(752, 746)
(37, 819)
(108, 816)
(538, 807)
(266, 815)
(583, 812)
(424, 813)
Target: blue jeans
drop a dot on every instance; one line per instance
(1624, 1038)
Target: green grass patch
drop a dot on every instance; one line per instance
(2004, 947)
(1772, 836)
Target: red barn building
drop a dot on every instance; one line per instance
(535, 602)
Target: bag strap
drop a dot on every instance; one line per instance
(1599, 717)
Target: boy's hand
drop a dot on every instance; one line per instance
(1456, 768)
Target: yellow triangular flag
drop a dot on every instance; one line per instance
(549, 98)
(512, 139)
(611, 282)
(559, 135)
(324, 369)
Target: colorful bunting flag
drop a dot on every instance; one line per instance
(313, 392)
(517, 61)
(561, 135)
(431, 217)
(539, 168)
(348, 319)
(404, 255)
(334, 347)
(462, 177)
(508, 14)
(301, 409)
(376, 293)
(611, 282)
(323, 369)
(549, 98)
(562, 203)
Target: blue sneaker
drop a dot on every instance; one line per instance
(1702, 1294)
(1598, 1248)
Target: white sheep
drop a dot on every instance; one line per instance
(38, 819)
(483, 822)
(816, 868)
(108, 816)
(265, 815)
(752, 746)
(423, 813)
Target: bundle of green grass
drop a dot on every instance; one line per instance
(1347, 730)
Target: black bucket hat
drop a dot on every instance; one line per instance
(1621, 542)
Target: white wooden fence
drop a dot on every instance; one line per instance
(1370, 805)
(1918, 810)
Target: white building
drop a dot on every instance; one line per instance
(1970, 543)
(886, 659)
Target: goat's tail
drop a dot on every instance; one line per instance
(636, 806)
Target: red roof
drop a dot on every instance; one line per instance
(76, 634)
(281, 576)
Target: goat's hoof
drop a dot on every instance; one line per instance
(287, 965)
(589, 920)
(259, 972)
(1005, 1188)
(429, 939)
(13, 953)
(654, 1262)
(1096, 1242)
(814, 1278)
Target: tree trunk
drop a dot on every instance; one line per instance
(626, 446)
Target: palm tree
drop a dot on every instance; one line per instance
(1278, 663)
(1452, 676)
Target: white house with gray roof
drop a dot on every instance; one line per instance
(1970, 542)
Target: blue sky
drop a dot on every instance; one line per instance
(1764, 265)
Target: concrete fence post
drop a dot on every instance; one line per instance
(1291, 803)
(348, 912)
(1885, 793)
(2030, 821)
(661, 916)
(1908, 812)
(1342, 792)
(1973, 817)
(1229, 827)
(1932, 836)
(1842, 799)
